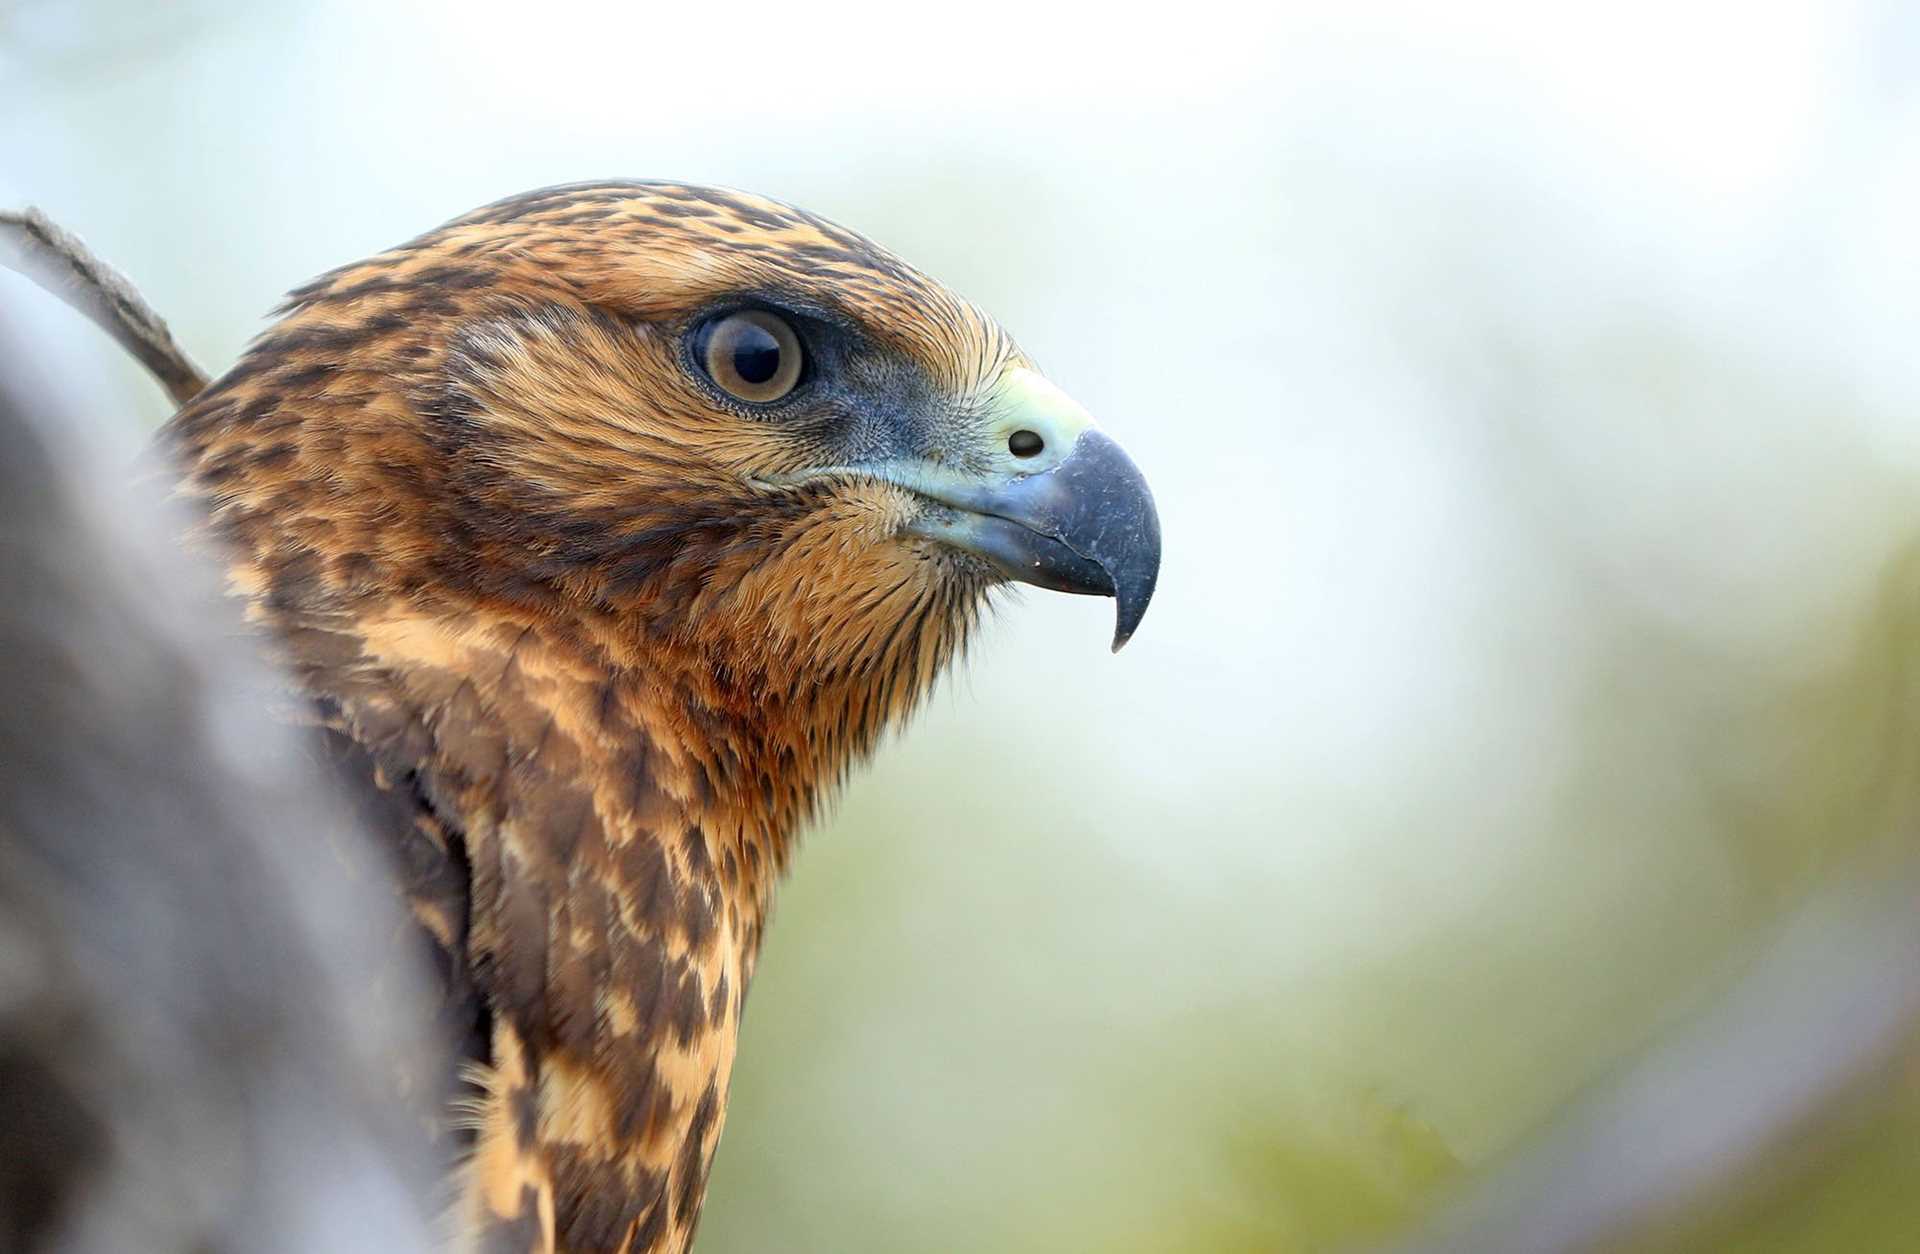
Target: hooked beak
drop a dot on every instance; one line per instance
(1073, 515)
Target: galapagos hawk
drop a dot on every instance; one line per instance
(604, 529)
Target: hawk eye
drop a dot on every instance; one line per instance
(753, 355)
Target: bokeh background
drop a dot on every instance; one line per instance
(1530, 395)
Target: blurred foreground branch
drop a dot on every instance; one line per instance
(203, 1022)
(39, 248)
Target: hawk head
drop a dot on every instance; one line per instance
(691, 418)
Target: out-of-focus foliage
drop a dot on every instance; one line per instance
(1528, 395)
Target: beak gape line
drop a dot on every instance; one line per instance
(1087, 525)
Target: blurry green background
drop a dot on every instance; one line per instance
(1529, 392)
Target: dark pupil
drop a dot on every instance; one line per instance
(756, 355)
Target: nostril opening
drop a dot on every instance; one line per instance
(1025, 443)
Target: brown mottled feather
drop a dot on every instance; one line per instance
(595, 671)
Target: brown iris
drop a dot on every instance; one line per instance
(753, 355)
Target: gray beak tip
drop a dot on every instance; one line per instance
(1121, 532)
(1126, 621)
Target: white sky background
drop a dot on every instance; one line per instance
(1433, 326)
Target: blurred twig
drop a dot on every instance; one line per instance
(1822, 1018)
(56, 259)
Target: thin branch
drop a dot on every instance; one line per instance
(1827, 1009)
(36, 246)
